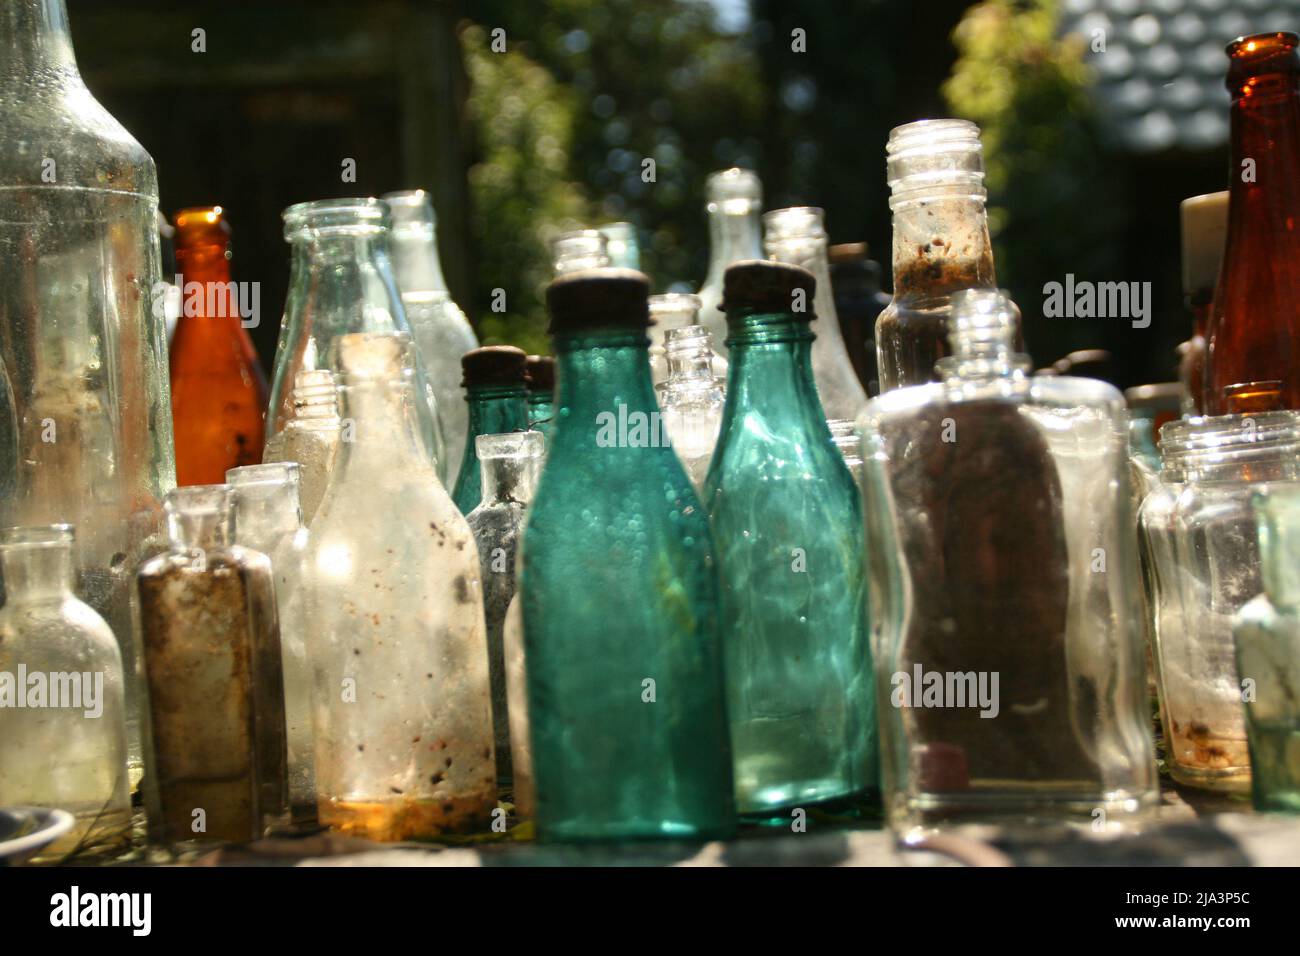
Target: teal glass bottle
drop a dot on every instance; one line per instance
(621, 642)
(787, 520)
(498, 403)
(540, 372)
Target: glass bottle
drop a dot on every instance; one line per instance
(668, 312)
(1204, 563)
(539, 373)
(218, 390)
(498, 402)
(268, 519)
(691, 399)
(619, 596)
(1267, 640)
(81, 321)
(403, 717)
(1252, 359)
(787, 521)
(523, 785)
(1010, 666)
(510, 465)
(797, 236)
(580, 250)
(1204, 229)
(859, 300)
(941, 243)
(215, 765)
(734, 201)
(844, 434)
(340, 282)
(621, 245)
(439, 328)
(311, 437)
(62, 713)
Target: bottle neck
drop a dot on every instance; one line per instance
(941, 244)
(771, 366)
(690, 360)
(418, 271)
(200, 529)
(810, 253)
(378, 423)
(495, 410)
(508, 479)
(35, 41)
(36, 572)
(735, 233)
(1264, 188)
(600, 374)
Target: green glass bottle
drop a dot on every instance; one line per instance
(619, 594)
(787, 520)
(540, 372)
(498, 403)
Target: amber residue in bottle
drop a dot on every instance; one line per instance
(1253, 340)
(218, 389)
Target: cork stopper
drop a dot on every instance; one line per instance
(500, 365)
(1205, 231)
(598, 299)
(763, 286)
(540, 373)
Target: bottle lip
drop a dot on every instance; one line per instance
(686, 333)
(674, 304)
(327, 217)
(733, 189)
(277, 473)
(793, 222)
(1262, 433)
(31, 537)
(934, 155)
(196, 224)
(523, 445)
(200, 500)
(1261, 47)
(412, 212)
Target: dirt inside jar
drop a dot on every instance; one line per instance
(406, 818)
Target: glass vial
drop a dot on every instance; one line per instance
(691, 399)
(496, 392)
(311, 437)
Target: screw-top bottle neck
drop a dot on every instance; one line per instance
(982, 332)
(315, 396)
(1258, 447)
(37, 561)
(200, 517)
(509, 466)
(688, 352)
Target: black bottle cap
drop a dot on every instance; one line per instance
(493, 365)
(541, 373)
(598, 299)
(763, 286)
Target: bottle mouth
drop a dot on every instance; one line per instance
(34, 537)
(943, 155)
(580, 250)
(1258, 58)
(733, 190)
(412, 213)
(328, 217)
(201, 225)
(795, 222)
(200, 501)
(277, 473)
(1258, 434)
(508, 445)
(674, 309)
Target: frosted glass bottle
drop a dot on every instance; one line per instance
(403, 717)
(691, 400)
(67, 747)
(439, 328)
(215, 763)
(83, 339)
(268, 519)
(311, 437)
(798, 236)
(510, 465)
(1010, 663)
(734, 203)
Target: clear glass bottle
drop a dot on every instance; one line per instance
(268, 519)
(691, 400)
(619, 597)
(63, 729)
(621, 244)
(496, 393)
(340, 282)
(734, 202)
(788, 525)
(403, 717)
(675, 310)
(580, 250)
(539, 373)
(1010, 648)
(510, 465)
(1267, 640)
(311, 437)
(523, 784)
(941, 243)
(83, 338)
(439, 328)
(798, 236)
(215, 764)
(1204, 565)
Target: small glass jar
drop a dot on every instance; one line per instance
(1204, 565)
(215, 760)
(63, 736)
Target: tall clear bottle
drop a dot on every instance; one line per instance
(941, 243)
(311, 437)
(216, 755)
(619, 597)
(510, 465)
(1010, 670)
(340, 282)
(787, 520)
(81, 323)
(439, 328)
(798, 236)
(691, 399)
(66, 748)
(496, 393)
(734, 203)
(268, 519)
(403, 717)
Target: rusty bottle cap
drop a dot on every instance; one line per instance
(493, 365)
(540, 373)
(762, 286)
(598, 299)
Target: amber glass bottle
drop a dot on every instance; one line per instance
(218, 389)
(1253, 341)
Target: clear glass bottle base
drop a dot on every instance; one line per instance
(1042, 805)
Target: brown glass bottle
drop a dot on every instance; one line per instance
(218, 389)
(1253, 339)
